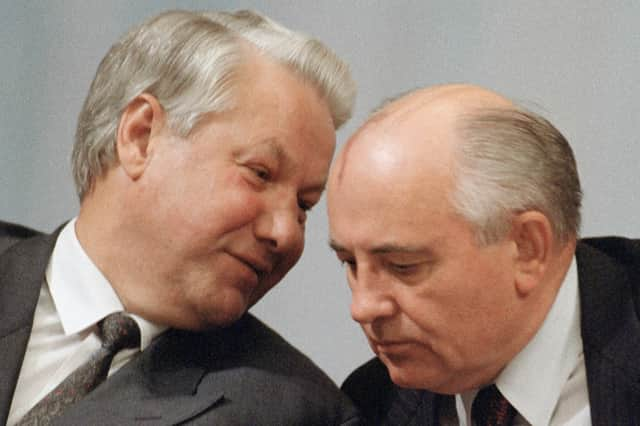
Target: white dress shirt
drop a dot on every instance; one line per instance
(546, 382)
(74, 297)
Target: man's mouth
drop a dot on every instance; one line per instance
(389, 345)
(261, 267)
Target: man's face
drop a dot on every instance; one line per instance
(436, 307)
(227, 205)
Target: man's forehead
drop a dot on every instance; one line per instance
(396, 154)
(277, 149)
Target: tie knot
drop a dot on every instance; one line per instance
(118, 332)
(490, 407)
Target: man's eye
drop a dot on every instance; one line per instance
(403, 268)
(305, 206)
(261, 173)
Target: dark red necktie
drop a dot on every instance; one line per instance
(118, 331)
(491, 408)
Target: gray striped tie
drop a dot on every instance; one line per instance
(118, 331)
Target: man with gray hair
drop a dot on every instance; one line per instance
(457, 216)
(203, 142)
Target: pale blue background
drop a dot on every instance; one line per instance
(577, 62)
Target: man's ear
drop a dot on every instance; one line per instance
(533, 235)
(142, 118)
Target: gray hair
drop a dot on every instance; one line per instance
(512, 160)
(189, 61)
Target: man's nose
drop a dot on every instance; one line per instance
(281, 228)
(371, 298)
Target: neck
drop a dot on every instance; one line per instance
(535, 307)
(108, 229)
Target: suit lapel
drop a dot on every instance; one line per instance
(165, 385)
(611, 336)
(175, 371)
(22, 269)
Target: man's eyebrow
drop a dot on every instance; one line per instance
(386, 248)
(275, 149)
(395, 248)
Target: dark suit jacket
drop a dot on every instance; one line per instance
(609, 283)
(245, 374)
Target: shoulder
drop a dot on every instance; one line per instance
(262, 345)
(268, 377)
(611, 260)
(384, 403)
(609, 273)
(11, 233)
(286, 368)
(609, 282)
(619, 249)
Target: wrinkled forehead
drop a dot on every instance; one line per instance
(384, 188)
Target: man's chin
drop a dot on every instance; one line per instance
(220, 315)
(221, 319)
(228, 308)
(403, 374)
(411, 379)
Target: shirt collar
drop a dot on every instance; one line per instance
(81, 293)
(533, 380)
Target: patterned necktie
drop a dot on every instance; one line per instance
(491, 408)
(118, 331)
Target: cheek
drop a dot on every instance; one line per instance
(217, 210)
(448, 306)
(485, 308)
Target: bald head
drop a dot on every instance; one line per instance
(451, 98)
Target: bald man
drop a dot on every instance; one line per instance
(457, 217)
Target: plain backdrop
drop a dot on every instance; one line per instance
(576, 62)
